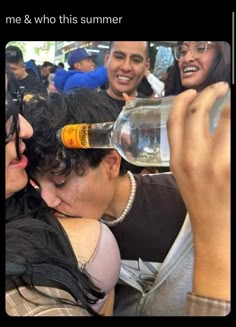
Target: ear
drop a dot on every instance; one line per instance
(77, 66)
(148, 64)
(112, 162)
(106, 57)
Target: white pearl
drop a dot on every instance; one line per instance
(128, 205)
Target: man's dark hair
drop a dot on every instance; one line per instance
(45, 152)
(61, 64)
(148, 47)
(47, 63)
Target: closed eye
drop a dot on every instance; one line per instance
(60, 185)
(60, 180)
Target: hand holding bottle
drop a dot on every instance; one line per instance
(200, 163)
(127, 98)
(139, 133)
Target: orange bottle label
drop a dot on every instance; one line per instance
(75, 136)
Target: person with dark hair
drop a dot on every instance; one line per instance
(51, 77)
(61, 65)
(18, 77)
(145, 88)
(145, 213)
(45, 71)
(127, 63)
(81, 74)
(13, 54)
(198, 64)
(48, 271)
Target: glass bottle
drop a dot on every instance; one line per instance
(139, 133)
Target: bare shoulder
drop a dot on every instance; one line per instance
(84, 234)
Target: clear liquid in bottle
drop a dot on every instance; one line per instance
(140, 133)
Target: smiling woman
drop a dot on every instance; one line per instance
(197, 65)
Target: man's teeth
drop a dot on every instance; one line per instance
(124, 78)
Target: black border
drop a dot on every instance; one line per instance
(150, 22)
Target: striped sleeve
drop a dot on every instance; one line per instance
(202, 306)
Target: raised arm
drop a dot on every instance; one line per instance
(200, 163)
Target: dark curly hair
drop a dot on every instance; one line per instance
(44, 150)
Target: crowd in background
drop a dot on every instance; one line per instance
(151, 221)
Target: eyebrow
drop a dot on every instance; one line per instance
(136, 55)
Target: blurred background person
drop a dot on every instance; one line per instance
(81, 74)
(18, 76)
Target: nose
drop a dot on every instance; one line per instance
(49, 196)
(126, 64)
(26, 130)
(189, 55)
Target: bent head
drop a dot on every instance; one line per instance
(77, 182)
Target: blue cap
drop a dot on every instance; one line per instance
(77, 55)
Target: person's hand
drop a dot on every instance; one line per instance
(200, 163)
(127, 98)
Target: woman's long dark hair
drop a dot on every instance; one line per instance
(219, 71)
(38, 252)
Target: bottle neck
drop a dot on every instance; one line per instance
(85, 136)
(100, 135)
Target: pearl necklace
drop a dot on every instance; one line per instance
(128, 205)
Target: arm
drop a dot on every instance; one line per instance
(157, 85)
(28, 302)
(96, 249)
(107, 308)
(92, 79)
(200, 163)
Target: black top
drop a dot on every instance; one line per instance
(30, 83)
(27, 214)
(154, 221)
(118, 103)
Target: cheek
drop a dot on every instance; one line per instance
(86, 192)
(206, 68)
(203, 73)
(139, 73)
(8, 159)
(112, 67)
(78, 192)
(208, 61)
(93, 199)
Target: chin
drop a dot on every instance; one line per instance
(16, 185)
(190, 83)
